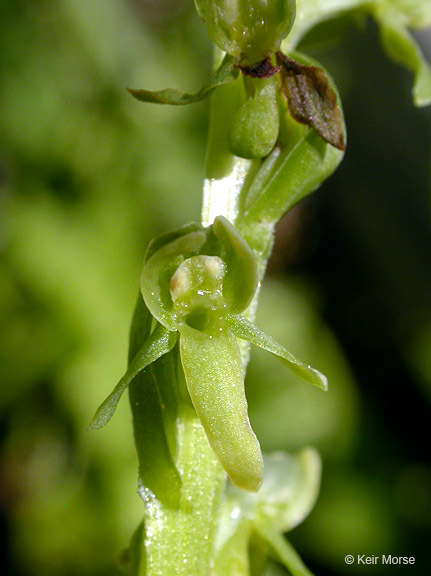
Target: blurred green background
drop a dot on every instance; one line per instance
(88, 176)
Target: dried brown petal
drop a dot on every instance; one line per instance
(311, 99)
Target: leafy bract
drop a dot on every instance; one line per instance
(160, 342)
(227, 72)
(243, 328)
(152, 421)
(132, 557)
(296, 173)
(154, 416)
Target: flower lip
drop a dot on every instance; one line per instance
(197, 285)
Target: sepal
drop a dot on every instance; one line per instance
(226, 73)
(158, 271)
(246, 330)
(241, 280)
(160, 342)
(311, 99)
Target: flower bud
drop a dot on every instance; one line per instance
(256, 125)
(246, 29)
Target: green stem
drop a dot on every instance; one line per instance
(181, 541)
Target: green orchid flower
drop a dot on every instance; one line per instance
(195, 283)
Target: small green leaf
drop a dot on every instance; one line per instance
(244, 329)
(311, 99)
(158, 343)
(157, 470)
(226, 73)
(400, 45)
(282, 550)
(213, 369)
(165, 375)
(151, 414)
(240, 282)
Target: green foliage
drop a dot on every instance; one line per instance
(184, 286)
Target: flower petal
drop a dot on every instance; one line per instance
(213, 369)
(244, 329)
(225, 74)
(157, 344)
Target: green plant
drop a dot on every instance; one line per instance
(276, 134)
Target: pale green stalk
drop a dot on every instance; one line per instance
(181, 541)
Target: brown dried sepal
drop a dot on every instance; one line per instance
(311, 99)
